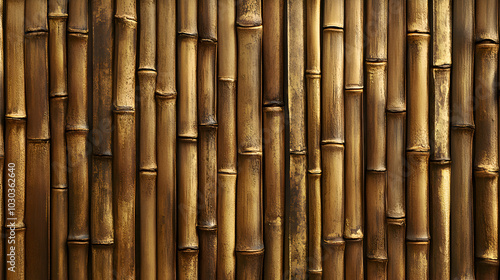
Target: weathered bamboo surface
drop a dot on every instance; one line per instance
(249, 139)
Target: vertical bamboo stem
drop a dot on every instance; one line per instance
(58, 238)
(418, 16)
(78, 256)
(376, 30)
(486, 21)
(353, 72)
(296, 189)
(101, 206)
(102, 261)
(462, 122)
(354, 259)
(166, 133)
(396, 249)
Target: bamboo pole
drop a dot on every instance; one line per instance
(486, 269)
(313, 80)
(226, 195)
(353, 72)
(440, 114)
(296, 185)
(166, 133)
(273, 52)
(418, 16)
(486, 151)
(462, 122)
(354, 260)
(486, 21)
(19, 252)
(147, 201)
(376, 30)
(78, 256)
(274, 191)
(417, 259)
(333, 14)
(101, 202)
(102, 261)
(58, 238)
(396, 249)
(441, 33)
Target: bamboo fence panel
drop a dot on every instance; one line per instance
(249, 139)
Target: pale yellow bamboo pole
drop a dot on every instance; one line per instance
(124, 140)
(226, 145)
(313, 89)
(166, 134)
(462, 131)
(296, 183)
(15, 133)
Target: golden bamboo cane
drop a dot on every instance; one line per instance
(187, 264)
(418, 16)
(354, 267)
(58, 238)
(186, 63)
(441, 33)
(439, 114)
(314, 268)
(333, 14)
(486, 21)
(440, 176)
(396, 132)
(274, 191)
(333, 259)
(353, 68)
(417, 259)
(396, 249)
(147, 201)
(166, 134)
(486, 269)
(486, 151)
(102, 261)
(226, 239)
(462, 122)
(376, 30)
(101, 202)
(78, 256)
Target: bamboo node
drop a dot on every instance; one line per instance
(128, 20)
(58, 16)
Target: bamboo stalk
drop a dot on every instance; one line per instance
(353, 72)
(486, 21)
(441, 33)
(274, 191)
(226, 30)
(396, 198)
(102, 261)
(147, 35)
(58, 238)
(187, 263)
(462, 252)
(147, 201)
(166, 132)
(226, 196)
(57, 16)
(440, 114)
(207, 101)
(440, 174)
(125, 56)
(376, 30)
(396, 249)
(147, 120)
(314, 268)
(333, 259)
(417, 259)
(78, 258)
(19, 252)
(101, 202)
(187, 117)
(37, 209)
(396, 47)
(102, 69)
(418, 194)
(166, 185)
(418, 16)
(486, 214)
(354, 267)
(248, 13)
(187, 16)
(486, 269)
(332, 196)
(333, 14)
(207, 17)
(78, 16)
(77, 116)
(124, 188)
(36, 16)
(272, 52)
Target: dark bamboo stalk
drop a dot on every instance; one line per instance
(354, 260)
(396, 249)
(486, 21)
(101, 202)
(102, 261)
(58, 238)
(78, 258)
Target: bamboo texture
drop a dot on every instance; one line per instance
(249, 139)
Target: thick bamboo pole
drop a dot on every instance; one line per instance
(313, 80)
(376, 30)
(296, 189)
(274, 191)
(486, 269)
(78, 256)
(417, 259)
(486, 21)
(101, 202)
(439, 108)
(58, 238)
(147, 201)
(396, 249)
(354, 260)
(462, 122)
(166, 134)
(102, 261)
(272, 52)
(486, 151)
(353, 72)
(418, 16)
(441, 33)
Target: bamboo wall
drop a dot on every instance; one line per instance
(249, 139)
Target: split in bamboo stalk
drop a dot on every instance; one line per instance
(462, 225)
(166, 133)
(332, 89)
(418, 92)
(418, 16)
(396, 229)
(37, 209)
(376, 30)
(147, 202)
(417, 259)
(124, 190)
(102, 56)
(353, 72)
(58, 234)
(439, 114)
(37, 86)
(101, 202)
(353, 161)
(441, 33)
(226, 196)
(486, 269)
(20, 269)
(274, 191)
(102, 261)
(354, 268)
(486, 21)
(78, 258)
(333, 259)
(333, 14)
(187, 85)
(273, 52)
(376, 95)
(166, 182)
(439, 184)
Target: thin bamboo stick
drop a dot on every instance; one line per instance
(101, 202)
(166, 185)
(57, 16)
(417, 259)
(166, 133)
(462, 121)
(376, 30)
(353, 72)
(207, 101)
(396, 47)
(37, 209)
(396, 198)
(77, 116)
(78, 258)
(147, 201)
(274, 191)
(58, 238)
(486, 21)
(441, 33)
(440, 176)
(396, 229)
(439, 107)
(486, 214)
(147, 34)
(418, 16)
(102, 261)
(125, 56)
(124, 190)
(354, 266)
(226, 30)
